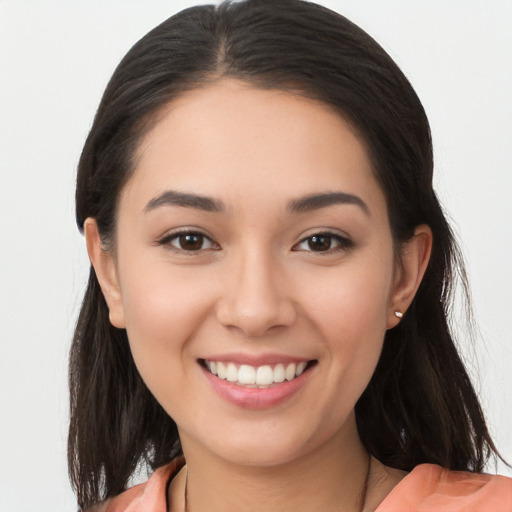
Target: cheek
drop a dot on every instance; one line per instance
(162, 311)
(162, 298)
(351, 299)
(350, 310)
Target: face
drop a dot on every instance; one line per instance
(253, 271)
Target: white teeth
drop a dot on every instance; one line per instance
(262, 376)
(289, 373)
(246, 374)
(232, 375)
(222, 371)
(300, 368)
(279, 374)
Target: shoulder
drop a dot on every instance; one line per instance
(150, 496)
(431, 488)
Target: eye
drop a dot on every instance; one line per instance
(189, 241)
(323, 242)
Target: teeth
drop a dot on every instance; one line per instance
(232, 375)
(262, 376)
(300, 368)
(222, 371)
(289, 373)
(246, 374)
(279, 374)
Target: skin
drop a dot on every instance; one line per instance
(255, 285)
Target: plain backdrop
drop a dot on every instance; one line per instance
(55, 60)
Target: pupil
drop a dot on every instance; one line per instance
(319, 243)
(191, 242)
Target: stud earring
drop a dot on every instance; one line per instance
(399, 314)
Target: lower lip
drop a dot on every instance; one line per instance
(256, 398)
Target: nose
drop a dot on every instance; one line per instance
(256, 297)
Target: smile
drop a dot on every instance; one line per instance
(256, 376)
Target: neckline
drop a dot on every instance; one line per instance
(175, 467)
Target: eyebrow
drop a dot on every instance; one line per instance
(209, 204)
(174, 198)
(318, 201)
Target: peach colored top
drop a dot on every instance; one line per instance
(427, 488)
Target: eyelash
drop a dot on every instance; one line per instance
(168, 239)
(343, 243)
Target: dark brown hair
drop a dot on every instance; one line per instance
(420, 405)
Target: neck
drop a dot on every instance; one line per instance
(332, 478)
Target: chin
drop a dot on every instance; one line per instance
(263, 445)
(262, 455)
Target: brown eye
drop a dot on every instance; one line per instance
(319, 242)
(324, 242)
(189, 241)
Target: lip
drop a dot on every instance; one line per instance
(256, 398)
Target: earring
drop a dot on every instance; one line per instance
(399, 314)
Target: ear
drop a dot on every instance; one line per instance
(414, 258)
(106, 272)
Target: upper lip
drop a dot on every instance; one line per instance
(255, 360)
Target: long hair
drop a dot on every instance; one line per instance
(420, 405)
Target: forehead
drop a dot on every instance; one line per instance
(232, 140)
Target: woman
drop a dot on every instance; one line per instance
(271, 275)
